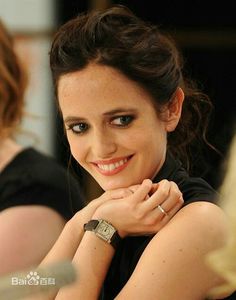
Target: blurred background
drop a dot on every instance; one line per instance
(205, 31)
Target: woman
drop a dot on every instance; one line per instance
(120, 89)
(34, 196)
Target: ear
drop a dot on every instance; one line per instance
(174, 110)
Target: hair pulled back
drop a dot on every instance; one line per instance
(117, 38)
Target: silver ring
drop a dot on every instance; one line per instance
(162, 210)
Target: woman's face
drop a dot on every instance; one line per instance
(112, 127)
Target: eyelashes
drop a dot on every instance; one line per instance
(78, 128)
(122, 121)
(118, 121)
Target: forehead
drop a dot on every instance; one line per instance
(97, 77)
(100, 85)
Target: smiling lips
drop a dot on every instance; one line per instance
(112, 166)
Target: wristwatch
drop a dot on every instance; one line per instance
(104, 230)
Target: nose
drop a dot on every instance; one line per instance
(103, 144)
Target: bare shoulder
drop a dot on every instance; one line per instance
(26, 234)
(28, 213)
(204, 217)
(173, 264)
(31, 220)
(200, 227)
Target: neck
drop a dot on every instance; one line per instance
(8, 150)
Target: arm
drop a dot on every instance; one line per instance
(22, 229)
(93, 256)
(135, 214)
(173, 264)
(70, 238)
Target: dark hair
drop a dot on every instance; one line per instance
(117, 38)
(13, 82)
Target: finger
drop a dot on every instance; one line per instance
(160, 219)
(154, 188)
(118, 193)
(175, 209)
(121, 193)
(174, 198)
(166, 218)
(156, 219)
(159, 196)
(133, 188)
(142, 191)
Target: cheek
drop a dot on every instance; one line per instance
(152, 142)
(77, 148)
(133, 141)
(148, 138)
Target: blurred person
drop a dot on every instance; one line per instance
(223, 260)
(36, 193)
(130, 115)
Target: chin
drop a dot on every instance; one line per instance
(116, 184)
(107, 187)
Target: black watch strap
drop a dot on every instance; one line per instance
(91, 225)
(115, 240)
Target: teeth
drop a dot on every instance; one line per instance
(111, 167)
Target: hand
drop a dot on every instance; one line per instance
(138, 213)
(85, 214)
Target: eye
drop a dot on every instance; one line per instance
(78, 128)
(122, 121)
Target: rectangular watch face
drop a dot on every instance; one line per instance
(105, 231)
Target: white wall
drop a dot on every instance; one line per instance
(28, 15)
(34, 20)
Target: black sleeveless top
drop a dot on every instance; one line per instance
(131, 248)
(35, 178)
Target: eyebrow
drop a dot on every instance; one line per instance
(120, 110)
(70, 119)
(108, 113)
